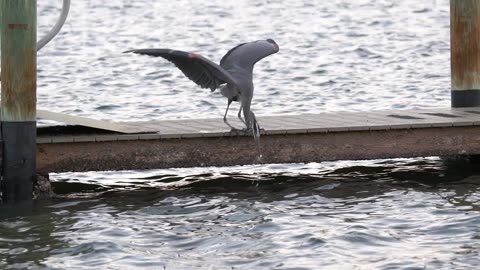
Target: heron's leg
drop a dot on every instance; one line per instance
(240, 114)
(247, 114)
(225, 116)
(226, 111)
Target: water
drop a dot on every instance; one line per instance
(397, 214)
(334, 55)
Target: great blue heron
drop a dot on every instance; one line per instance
(234, 74)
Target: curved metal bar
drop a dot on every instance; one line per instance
(50, 35)
(56, 28)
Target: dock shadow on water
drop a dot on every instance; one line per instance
(386, 214)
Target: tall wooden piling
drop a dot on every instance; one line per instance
(465, 52)
(18, 104)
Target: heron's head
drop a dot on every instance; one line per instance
(271, 41)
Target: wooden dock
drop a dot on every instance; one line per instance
(92, 145)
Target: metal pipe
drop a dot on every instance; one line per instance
(465, 52)
(56, 28)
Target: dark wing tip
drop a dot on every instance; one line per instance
(154, 52)
(271, 41)
(139, 51)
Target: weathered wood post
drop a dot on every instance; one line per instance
(465, 52)
(18, 105)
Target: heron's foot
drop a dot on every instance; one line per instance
(251, 129)
(239, 130)
(229, 125)
(244, 130)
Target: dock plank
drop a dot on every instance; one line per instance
(291, 124)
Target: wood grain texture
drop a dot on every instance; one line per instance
(19, 59)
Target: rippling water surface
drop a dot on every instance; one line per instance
(334, 55)
(397, 214)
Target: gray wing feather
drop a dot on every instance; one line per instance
(247, 54)
(197, 68)
(226, 56)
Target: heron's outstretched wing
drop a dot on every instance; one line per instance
(246, 55)
(197, 68)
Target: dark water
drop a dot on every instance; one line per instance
(334, 55)
(398, 214)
